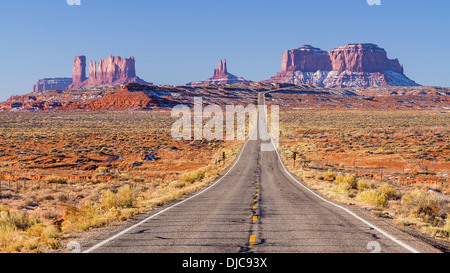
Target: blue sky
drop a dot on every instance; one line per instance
(177, 41)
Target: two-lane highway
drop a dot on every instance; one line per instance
(258, 206)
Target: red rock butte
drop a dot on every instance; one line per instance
(221, 77)
(352, 65)
(112, 70)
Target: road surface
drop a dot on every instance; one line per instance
(257, 206)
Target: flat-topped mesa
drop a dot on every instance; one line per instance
(352, 57)
(363, 58)
(52, 84)
(221, 77)
(112, 70)
(305, 58)
(352, 65)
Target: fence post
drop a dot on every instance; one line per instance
(294, 157)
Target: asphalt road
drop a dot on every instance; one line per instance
(257, 206)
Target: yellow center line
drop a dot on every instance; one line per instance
(254, 207)
(255, 218)
(252, 241)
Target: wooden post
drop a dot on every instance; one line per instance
(294, 157)
(223, 157)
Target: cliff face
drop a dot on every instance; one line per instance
(363, 58)
(79, 70)
(220, 77)
(112, 70)
(347, 66)
(305, 58)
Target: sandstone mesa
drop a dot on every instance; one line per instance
(352, 65)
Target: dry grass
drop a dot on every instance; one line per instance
(373, 197)
(20, 232)
(384, 160)
(192, 177)
(75, 172)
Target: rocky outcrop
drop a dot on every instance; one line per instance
(136, 97)
(52, 84)
(220, 77)
(112, 70)
(352, 65)
(221, 70)
(130, 97)
(79, 70)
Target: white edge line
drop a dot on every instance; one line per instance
(399, 242)
(166, 209)
(411, 249)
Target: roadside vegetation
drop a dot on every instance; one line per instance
(395, 163)
(66, 173)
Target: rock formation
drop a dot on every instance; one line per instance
(221, 77)
(306, 58)
(112, 70)
(363, 58)
(136, 97)
(79, 70)
(52, 84)
(221, 70)
(346, 66)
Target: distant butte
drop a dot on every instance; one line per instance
(221, 77)
(112, 70)
(352, 65)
